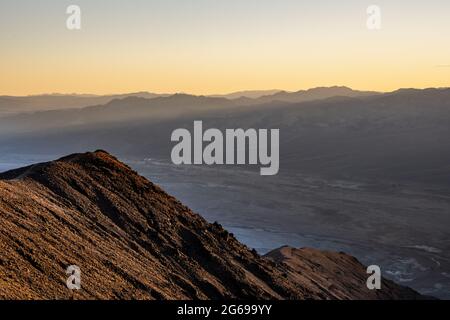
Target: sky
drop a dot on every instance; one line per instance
(221, 46)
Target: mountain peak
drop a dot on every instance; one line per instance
(98, 157)
(88, 160)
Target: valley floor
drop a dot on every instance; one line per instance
(405, 229)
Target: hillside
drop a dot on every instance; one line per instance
(134, 241)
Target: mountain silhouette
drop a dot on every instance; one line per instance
(10, 105)
(398, 136)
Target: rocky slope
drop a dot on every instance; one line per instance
(134, 241)
(335, 275)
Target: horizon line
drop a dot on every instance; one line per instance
(210, 95)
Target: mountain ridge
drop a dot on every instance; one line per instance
(13, 105)
(133, 241)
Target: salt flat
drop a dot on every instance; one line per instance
(403, 228)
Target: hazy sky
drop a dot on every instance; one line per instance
(217, 46)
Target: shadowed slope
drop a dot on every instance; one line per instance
(334, 274)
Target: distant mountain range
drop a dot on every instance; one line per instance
(131, 240)
(310, 95)
(251, 94)
(401, 135)
(10, 105)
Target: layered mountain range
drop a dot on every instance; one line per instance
(333, 132)
(11, 105)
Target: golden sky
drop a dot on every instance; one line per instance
(211, 47)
